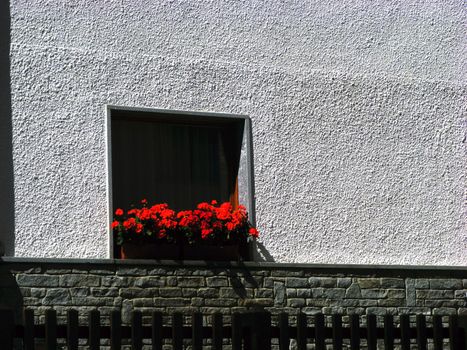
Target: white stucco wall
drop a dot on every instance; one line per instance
(358, 110)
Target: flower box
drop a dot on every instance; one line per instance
(211, 252)
(157, 251)
(210, 232)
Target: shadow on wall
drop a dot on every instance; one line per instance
(7, 202)
(10, 294)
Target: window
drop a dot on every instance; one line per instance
(179, 158)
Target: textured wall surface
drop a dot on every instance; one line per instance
(229, 288)
(358, 110)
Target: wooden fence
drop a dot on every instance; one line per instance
(247, 330)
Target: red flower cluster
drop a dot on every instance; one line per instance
(208, 222)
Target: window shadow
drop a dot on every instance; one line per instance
(7, 203)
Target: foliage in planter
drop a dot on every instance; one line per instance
(208, 224)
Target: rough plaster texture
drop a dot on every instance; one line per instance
(358, 111)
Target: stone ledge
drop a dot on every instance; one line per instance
(335, 269)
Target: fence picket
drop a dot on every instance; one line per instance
(156, 330)
(236, 332)
(337, 332)
(94, 319)
(404, 321)
(72, 330)
(301, 331)
(217, 336)
(284, 336)
(388, 332)
(51, 329)
(371, 332)
(115, 330)
(421, 332)
(136, 330)
(453, 333)
(7, 323)
(177, 331)
(197, 331)
(28, 336)
(354, 332)
(319, 332)
(437, 332)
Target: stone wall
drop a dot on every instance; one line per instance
(197, 286)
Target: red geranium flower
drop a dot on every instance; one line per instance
(119, 212)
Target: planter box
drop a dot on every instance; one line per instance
(150, 251)
(211, 252)
(186, 251)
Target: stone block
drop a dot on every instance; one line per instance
(435, 294)
(189, 292)
(170, 292)
(223, 302)
(79, 281)
(326, 282)
(133, 292)
(151, 281)
(279, 293)
(295, 282)
(104, 292)
(217, 281)
(291, 292)
(396, 293)
(369, 283)
(257, 302)
(445, 283)
(171, 301)
(303, 293)
(353, 291)
(392, 283)
(131, 271)
(444, 311)
(264, 293)
(296, 302)
(57, 297)
(334, 293)
(287, 273)
(44, 281)
(374, 293)
(214, 292)
(344, 282)
(114, 281)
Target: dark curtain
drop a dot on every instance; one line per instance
(177, 164)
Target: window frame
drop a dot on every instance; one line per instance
(247, 137)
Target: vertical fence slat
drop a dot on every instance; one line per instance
(236, 332)
(50, 329)
(371, 332)
(284, 336)
(421, 332)
(453, 332)
(28, 336)
(72, 330)
(177, 331)
(7, 322)
(115, 330)
(262, 333)
(437, 332)
(355, 332)
(197, 330)
(388, 332)
(156, 330)
(217, 336)
(136, 330)
(462, 324)
(404, 321)
(337, 332)
(94, 319)
(319, 332)
(301, 331)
